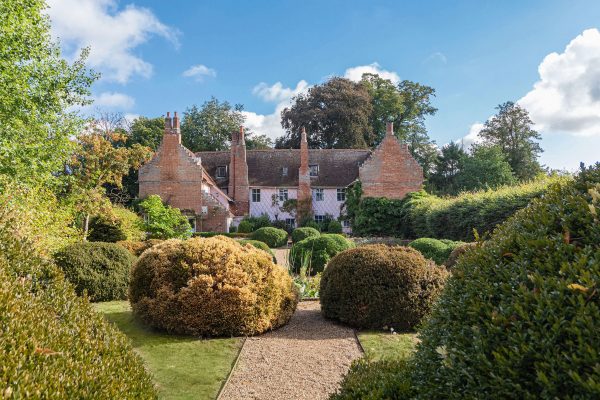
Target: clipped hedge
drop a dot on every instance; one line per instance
(433, 249)
(104, 230)
(334, 227)
(245, 226)
(377, 286)
(53, 345)
(457, 252)
(305, 232)
(423, 215)
(315, 252)
(99, 269)
(273, 237)
(260, 245)
(531, 291)
(211, 287)
(137, 247)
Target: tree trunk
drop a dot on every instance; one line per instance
(86, 226)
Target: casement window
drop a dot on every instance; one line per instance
(290, 222)
(319, 218)
(256, 195)
(341, 194)
(319, 194)
(313, 170)
(221, 171)
(192, 221)
(284, 171)
(346, 223)
(283, 195)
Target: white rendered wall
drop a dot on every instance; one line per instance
(265, 206)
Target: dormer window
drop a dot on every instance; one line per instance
(314, 169)
(222, 171)
(284, 171)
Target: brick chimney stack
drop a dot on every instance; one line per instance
(238, 188)
(389, 129)
(176, 124)
(172, 135)
(304, 207)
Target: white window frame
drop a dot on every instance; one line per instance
(291, 222)
(282, 195)
(255, 195)
(319, 218)
(341, 193)
(222, 168)
(319, 194)
(284, 171)
(313, 170)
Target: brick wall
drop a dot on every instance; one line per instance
(390, 171)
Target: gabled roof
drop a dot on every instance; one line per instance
(337, 167)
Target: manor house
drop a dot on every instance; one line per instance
(216, 189)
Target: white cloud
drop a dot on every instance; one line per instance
(278, 93)
(436, 58)
(567, 96)
(111, 33)
(356, 73)
(471, 137)
(113, 100)
(199, 72)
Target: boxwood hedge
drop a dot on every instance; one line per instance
(273, 237)
(302, 233)
(434, 249)
(314, 252)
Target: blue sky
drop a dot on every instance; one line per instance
(476, 54)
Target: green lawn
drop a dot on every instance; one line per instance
(183, 367)
(384, 345)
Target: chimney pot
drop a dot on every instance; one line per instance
(242, 137)
(176, 121)
(303, 135)
(389, 128)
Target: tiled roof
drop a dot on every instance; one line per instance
(337, 167)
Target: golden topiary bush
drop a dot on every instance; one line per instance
(137, 247)
(211, 287)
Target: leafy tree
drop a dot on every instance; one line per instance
(146, 132)
(511, 130)
(209, 127)
(335, 114)
(163, 221)
(37, 90)
(448, 165)
(258, 142)
(486, 167)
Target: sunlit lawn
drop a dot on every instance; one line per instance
(183, 367)
(384, 345)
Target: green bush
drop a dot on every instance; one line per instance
(245, 226)
(433, 249)
(273, 237)
(103, 229)
(260, 245)
(315, 252)
(457, 252)
(163, 221)
(423, 215)
(100, 269)
(334, 227)
(211, 287)
(53, 345)
(312, 224)
(377, 286)
(367, 380)
(302, 233)
(520, 316)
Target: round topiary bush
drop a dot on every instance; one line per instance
(245, 227)
(53, 345)
(104, 230)
(211, 287)
(302, 233)
(314, 253)
(334, 227)
(273, 237)
(100, 269)
(457, 252)
(377, 286)
(520, 316)
(137, 247)
(434, 249)
(261, 246)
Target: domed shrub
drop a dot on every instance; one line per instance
(103, 229)
(273, 237)
(315, 252)
(211, 287)
(334, 227)
(260, 245)
(302, 233)
(245, 227)
(53, 345)
(457, 252)
(520, 316)
(375, 286)
(136, 247)
(100, 269)
(434, 249)
(312, 224)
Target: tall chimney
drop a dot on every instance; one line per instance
(168, 123)
(176, 123)
(304, 206)
(238, 188)
(389, 129)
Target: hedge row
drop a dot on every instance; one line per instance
(455, 218)
(227, 234)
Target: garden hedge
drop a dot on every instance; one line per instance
(457, 252)
(104, 230)
(227, 234)
(315, 252)
(422, 215)
(99, 269)
(53, 345)
(520, 316)
(377, 286)
(273, 237)
(434, 249)
(334, 227)
(137, 247)
(211, 287)
(302, 233)
(245, 227)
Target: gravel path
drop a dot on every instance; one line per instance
(305, 359)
